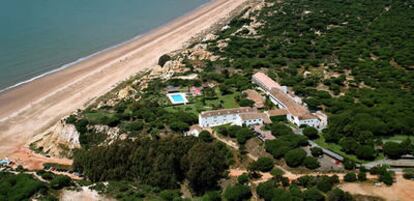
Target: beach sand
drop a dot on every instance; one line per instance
(32, 108)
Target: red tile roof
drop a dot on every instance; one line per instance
(265, 81)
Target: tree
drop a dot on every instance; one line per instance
(243, 179)
(316, 151)
(339, 195)
(349, 164)
(263, 164)
(313, 194)
(393, 150)
(349, 145)
(311, 163)
(205, 136)
(169, 194)
(350, 177)
(277, 172)
(408, 173)
(386, 178)
(179, 126)
(362, 175)
(164, 59)
(266, 189)
(212, 196)
(324, 184)
(310, 132)
(60, 181)
(366, 152)
(280, 129)
(244, 102)
(237, 192)
(243, 134)
(295, 157)
(205, 168)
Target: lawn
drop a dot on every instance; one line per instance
(196, 104)
(97, 117)
(335, 148)
(398, 138)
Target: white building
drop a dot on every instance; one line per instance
(296, 112)
(237, 116)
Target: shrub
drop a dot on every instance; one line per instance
(280, 129)
(311, 163)
(212, 196)
(366, 152)
(60, 182)
(277, 172)
(313, 194)
(350, 177)
(324, 184)
(316, 151)
(408, 173)
(179, 126)
(349, 164)
(243, 134)
(393, 150)
(134, 126)
(266, 189)
(164, 59)
(311, 132)
(243, 179)
(237, 193)
(339, 195)
(71, 119)
(244, 102)
(362, 176)
(295, 157)
(168, 195)
(386, 178)
(263, 164)
(205, 136)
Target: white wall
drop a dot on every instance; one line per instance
(213, 121)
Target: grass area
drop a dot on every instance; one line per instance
(335, 148)
(229, 101)
(196, 103)
(398, 138)
(97, 117)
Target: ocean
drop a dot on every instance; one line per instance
(41, 36)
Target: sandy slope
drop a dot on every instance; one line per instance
(31, 108)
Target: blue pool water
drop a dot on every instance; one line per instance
(178, 98)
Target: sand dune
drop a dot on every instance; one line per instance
(31, 108)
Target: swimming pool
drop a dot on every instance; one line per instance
(177, 98)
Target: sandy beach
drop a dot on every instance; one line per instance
(31, 108)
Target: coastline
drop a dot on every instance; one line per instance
(98, 53)
(30, 108)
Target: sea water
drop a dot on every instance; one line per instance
(40, 36)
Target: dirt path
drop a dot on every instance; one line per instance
(401, 190)
(33, 161)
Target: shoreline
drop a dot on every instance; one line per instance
(97, 53)
(33, 107)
